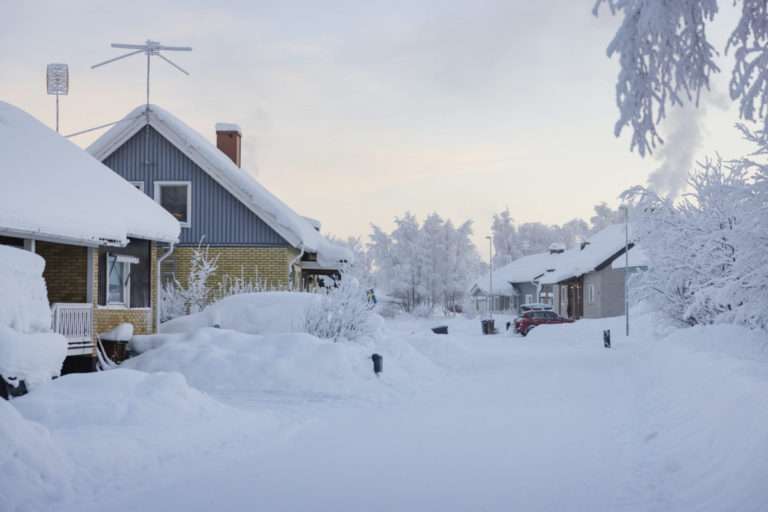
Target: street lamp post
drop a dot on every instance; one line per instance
(490, 291)
(626, 266)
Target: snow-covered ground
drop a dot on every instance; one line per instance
(223, 420)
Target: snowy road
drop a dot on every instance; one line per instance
(550, 422)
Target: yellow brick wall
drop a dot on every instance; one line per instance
(253, 263)
(66, 272)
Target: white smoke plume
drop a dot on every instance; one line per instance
(684, 137)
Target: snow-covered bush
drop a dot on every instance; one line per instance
(707, 251)
(29, 351)
(343, 312)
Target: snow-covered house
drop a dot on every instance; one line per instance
(97, 234)
(518, 282)
(589, 280)
(254, 234)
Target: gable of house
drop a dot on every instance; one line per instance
(216, 216)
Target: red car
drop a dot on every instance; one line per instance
(531, 319)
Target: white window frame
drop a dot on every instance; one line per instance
(590, 294)
(528, 298)
(126, 262)
(138, 184)
(158, 186)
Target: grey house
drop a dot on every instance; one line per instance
(590, 282)
(254, 234)
(517, 283)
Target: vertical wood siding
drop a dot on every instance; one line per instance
(216, 214)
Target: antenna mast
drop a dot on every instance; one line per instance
(149, 48)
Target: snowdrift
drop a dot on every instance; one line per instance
(232, 364)
(34, 468)
(253, 313)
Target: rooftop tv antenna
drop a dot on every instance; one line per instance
(57, 81)
(150, 49)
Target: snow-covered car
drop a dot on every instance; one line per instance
(531, 319)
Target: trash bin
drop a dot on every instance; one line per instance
(488, 327)
(442, 329)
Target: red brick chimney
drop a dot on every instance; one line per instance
(228, 140)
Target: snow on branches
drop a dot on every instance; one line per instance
(666, 60)
(707, 251)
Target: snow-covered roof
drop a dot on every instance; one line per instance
(637, 258)
(52, 189)
(598, 249)
(279, 216)
(523, 270)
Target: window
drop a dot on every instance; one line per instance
(176, 197)
(528, 298)
(591, 294)
(138, 184)
(119, 279)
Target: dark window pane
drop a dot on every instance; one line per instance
(174, 199)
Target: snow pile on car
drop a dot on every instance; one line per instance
(28, 350)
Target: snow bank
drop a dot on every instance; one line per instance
(33, 358)
(34, 469)
(28, 350)
(125, 429)
(254, 313)
(117, 398)
(59, 189)
(230, 363)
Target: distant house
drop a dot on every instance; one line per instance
(98, 235)
(518, 283)
(589, 281)
(254, 234)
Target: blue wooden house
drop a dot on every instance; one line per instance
(254, 234)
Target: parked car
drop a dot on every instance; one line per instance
(531, 319)
(534, 306)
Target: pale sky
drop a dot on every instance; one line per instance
(354, 112)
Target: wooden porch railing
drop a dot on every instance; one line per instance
(74, 322)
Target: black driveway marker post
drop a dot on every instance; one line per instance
(378, 363)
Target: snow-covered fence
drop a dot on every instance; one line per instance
(74, 321)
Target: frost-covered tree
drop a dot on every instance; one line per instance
(666, 60)
(506, 245)
(707, 251)
(604, 216)
(425, 266)
(361, 267)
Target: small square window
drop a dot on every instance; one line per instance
(138, 184)
(176, 198)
